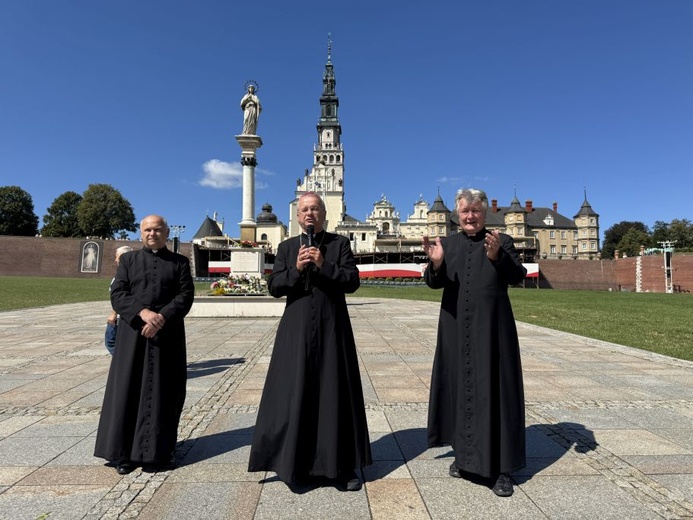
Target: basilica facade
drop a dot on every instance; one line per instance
(538, 232)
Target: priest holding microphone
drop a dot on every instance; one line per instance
(311, 423)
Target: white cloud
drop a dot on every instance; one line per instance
(444, 180)
(221, 175)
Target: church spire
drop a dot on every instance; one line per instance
(329, 102)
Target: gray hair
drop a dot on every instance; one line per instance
(471, 196)
(122, 249)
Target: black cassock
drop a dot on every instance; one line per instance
(477, 398)
(311, 419)
(145, 391)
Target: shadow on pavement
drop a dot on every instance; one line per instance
(215, 445)
(211, 366)
(548, 443)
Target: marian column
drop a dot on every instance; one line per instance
(249, 141)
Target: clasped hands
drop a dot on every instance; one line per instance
(153, 323)
(308, 255)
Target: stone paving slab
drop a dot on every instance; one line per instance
(609, 428)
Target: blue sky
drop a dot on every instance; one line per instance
(536, 97)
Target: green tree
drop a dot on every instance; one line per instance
(61, 218)
(681, 231)
(660, 232)
(17, 215)
(632, 240)
(615, 233)
(104, 212)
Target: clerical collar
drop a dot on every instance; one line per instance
(154, 251)
(319, 237)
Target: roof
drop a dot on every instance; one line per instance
(439, 206)
(535, 219)
(209, 228)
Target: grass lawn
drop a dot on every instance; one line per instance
(656, 322)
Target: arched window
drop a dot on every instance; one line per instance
(263, 236)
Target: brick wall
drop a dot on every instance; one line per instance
(61, 257)
(652, 273)
(593, 275)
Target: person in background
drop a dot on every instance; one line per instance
(112, 320)
(312, 420)
(477, 400)
(152, 292)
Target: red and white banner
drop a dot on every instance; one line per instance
(391, 270)
(372, 270)
(532, 270)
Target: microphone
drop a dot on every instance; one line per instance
(310, 232)
(310, 242)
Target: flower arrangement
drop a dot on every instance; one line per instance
(239, 284)
(248, 243)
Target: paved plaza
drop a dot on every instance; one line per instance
(609, 428)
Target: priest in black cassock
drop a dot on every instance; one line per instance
(312, 420)
(477, 399)
(153, 290)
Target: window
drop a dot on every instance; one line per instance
(363, 237)
(575, 250)
(593, 221)
(511, 218)
(263, 236)
(593, 232)
(594, 246)
(563, 236)
(564, 250)
(553, 250)
(584, 232)
(584, 246)
(552, 234)
(575, 235)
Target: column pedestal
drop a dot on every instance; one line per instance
(248, 144)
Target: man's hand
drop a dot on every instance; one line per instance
(307, 255)
(492, 244)
(434, 251)
(153, 322)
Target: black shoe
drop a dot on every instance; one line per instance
(168, 464)
(503, 486)
(455, 471)
(163, 465)
(124, 467)
(351, 482)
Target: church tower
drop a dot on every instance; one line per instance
(587, 222)
(326, 177)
